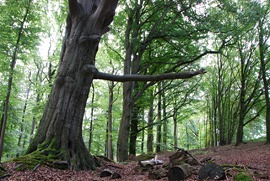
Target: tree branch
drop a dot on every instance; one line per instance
(135, 77)
(104, 14)
(74, 7)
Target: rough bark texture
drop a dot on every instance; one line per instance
(61, 125)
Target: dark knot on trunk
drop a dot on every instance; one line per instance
(89, 69)
(89, 39)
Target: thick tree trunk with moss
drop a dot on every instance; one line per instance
(60, 128)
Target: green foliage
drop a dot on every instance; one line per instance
(20, 37)
(243, 177)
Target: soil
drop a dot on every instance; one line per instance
(253, 159)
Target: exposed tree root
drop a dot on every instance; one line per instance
(54, 154)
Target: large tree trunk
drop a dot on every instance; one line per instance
(61, 125)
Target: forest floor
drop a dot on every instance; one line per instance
(252, 157)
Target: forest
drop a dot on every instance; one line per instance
(119, 79)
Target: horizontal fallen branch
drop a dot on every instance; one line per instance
(135, 77)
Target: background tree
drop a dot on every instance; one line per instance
(263, 36)
(144, 53)
(19, 34)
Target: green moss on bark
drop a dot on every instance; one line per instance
(52, 153)
(46, 154)
(31, 160)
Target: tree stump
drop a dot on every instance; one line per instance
(110, 173)
(179, 172)
(178, 157)
(211, 171)
(106, 173)
(157, 173)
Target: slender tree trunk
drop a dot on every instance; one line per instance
(240, 128)
(211, 128)
(39, 94)
(242, 110)
(34, 121)
(142, 144)
(10, 80)
(187, 136)
(109, 144)
(175, 129)
(206, 140)
(33, 126)
(23, 113)
(133, 130)
(164, 140)
(61, 125)
(158, 142)
(123, 134)
(222, 140)
(150, 136)
(91, 120)
(215, 140)
(230, 120)
(2, 120)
